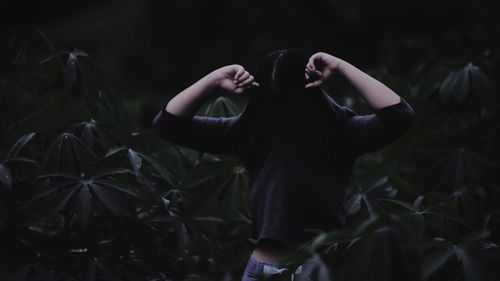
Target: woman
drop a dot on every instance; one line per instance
(296, 142)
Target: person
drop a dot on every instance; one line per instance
(296, 142)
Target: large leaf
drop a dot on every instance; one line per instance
(222, 107)
(5, 176)
(68, 154)
(470, 80)
(93, 133)
(86, 191)
(19, 145)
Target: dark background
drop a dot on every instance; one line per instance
(157, 48)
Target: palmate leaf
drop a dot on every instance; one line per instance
(80, 77)
(454, 166)
(464, 203)
(28, 273)
(6, 173)
(70, 69)
(436, 261)
(470, 80)
(42, 191)
(63, 199)
(93, 133)
(136, 161)
(208, 170)
(222, 107)
(468, 252)
(86, 191)
(416, 216)
(364, 195)
(231, 195)
(455, 86)
(382, 253)
(100, 264)
(167, 174)
(95, 91)
(21, 45)
(188, 227)
(68, 154)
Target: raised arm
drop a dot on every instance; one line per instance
(322, 66)
(177, 123)
(233, 78)
(392, 116)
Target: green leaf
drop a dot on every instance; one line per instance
(399, 203)
(135, 160)
(163, 171)
(354, 204)
(114, 150)
(455, 85)
(117, 187)
(43, 191)
(222, 107)
(68, 154)
(109, 199)
(70, 74)
(208, 218)
(84, 205)
(62, 201)
(20, 144)
(5, 176)
(112, 172)
(434, 262)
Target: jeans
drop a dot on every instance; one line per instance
(256, 270)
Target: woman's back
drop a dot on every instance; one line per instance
(296, 155)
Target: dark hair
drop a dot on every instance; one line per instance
(282, 71)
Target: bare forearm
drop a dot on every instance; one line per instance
(230, 78)
(187, 102)
(375, 93)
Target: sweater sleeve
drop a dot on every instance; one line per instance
(371, 132)
(217, 135)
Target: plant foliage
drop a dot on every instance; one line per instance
(83, 196)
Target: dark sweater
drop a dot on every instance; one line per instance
(299, 151)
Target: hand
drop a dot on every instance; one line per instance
(234, 78)
(320, 68)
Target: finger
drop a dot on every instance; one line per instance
(313, 84)
(256, 84)
(239, 72)
(310, 66)
(241, 90)
(246, 82)
(313, 60)
(314, 73)
(243, 77)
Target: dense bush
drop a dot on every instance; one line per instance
(85, 196)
